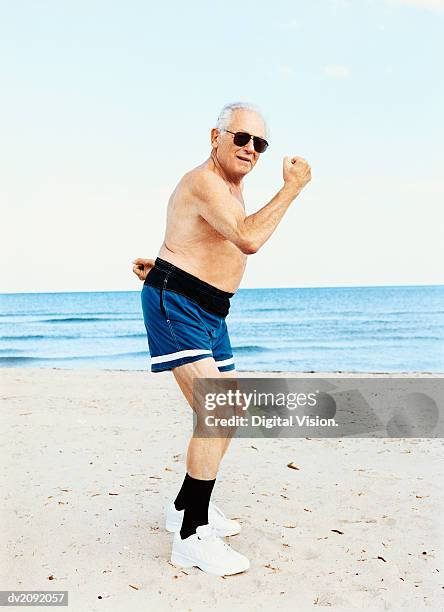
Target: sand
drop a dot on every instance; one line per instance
(90, 458)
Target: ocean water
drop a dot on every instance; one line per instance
(356, 329)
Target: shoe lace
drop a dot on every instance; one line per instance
(209, 533)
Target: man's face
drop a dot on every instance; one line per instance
(236, 160)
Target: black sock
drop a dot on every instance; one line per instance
(182, 497)
(194, 498)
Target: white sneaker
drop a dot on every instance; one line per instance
(216, 518)
(207, 551)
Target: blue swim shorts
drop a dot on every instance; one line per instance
(184, 319)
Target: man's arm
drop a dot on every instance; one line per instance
(224, 213)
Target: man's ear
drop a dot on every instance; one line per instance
(214, 137)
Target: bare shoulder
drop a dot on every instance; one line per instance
(202, 182)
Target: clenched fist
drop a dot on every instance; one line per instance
(297, 172)
(141, 267)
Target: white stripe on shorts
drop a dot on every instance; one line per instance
(179, 354)
(225, 362)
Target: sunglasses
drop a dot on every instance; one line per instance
(242, 138)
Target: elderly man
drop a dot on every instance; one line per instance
(186, 297)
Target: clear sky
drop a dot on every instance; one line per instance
(105, 104)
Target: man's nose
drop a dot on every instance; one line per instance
(250, 146)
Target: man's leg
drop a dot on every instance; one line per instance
(196, 544)
(204, 454)
(227, 440)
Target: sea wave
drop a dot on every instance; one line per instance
(87, 319)
(12, 359)
(16, 360)
(29, 337)
(271, 309)
(54, 315)
(251, 348)
(25, 337)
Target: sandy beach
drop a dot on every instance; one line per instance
(91, 457)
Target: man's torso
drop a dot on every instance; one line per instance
(194, 246)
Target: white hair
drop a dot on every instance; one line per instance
(223, 121)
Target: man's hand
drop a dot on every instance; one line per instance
(297, 173)
(141, 267)
(217, 205)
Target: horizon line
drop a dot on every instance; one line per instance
(52, 292)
